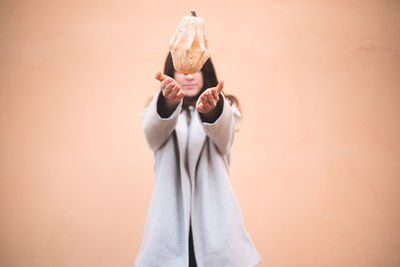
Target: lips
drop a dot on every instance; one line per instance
(191, 85)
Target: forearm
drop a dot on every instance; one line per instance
(157, 128)
(213, 114)
(165, 107)
(221, 130)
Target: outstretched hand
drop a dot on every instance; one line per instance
(170, 89)
(209, 98)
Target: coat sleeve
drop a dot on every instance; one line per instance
(222, 130)
(156, 128)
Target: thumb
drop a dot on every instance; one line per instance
(219, 86)
(161, 77)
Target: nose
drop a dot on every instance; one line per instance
(189, 76)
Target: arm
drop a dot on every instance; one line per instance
(161, 114)
(218, 117)
(222, 130)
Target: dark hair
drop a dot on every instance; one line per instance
(209, 77)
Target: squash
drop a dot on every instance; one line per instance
(188, 45)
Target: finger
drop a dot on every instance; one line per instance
(200, 107)
(174, 91)
(164, 84)
(181, 93)
(203, 99)
(207, 106)
(168, 89)
(214, 103)
(210, 98)
(214, 94)
(198, 102)
(204, 94)
(219, 86)
(161, 77)
(171, 92)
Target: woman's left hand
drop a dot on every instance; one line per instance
(209, 98)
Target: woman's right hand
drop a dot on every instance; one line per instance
(170, 89)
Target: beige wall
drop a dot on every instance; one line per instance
(315, 166)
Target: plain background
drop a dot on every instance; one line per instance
(315, 165)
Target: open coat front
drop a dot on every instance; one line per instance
(192, 183)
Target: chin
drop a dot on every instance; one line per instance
(191, 94)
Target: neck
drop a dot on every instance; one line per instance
(189, 101)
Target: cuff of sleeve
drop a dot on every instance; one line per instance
(172, 115)
(220, 115)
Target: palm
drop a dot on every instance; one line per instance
(209, 98)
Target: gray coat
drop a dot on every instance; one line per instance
(192, 183)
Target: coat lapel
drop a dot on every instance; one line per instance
(181, 134)
(196, 140)
(181, 131)
(197, 136)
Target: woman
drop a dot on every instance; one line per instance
(194, 217)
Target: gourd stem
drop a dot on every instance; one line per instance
(194, 13)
